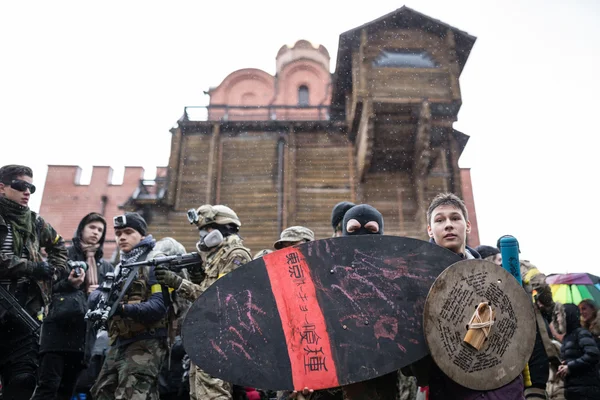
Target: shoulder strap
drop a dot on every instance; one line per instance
(38, 226)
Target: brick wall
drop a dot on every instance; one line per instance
(65, 201)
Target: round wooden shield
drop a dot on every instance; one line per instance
(449, 308)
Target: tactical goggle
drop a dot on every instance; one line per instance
(120, 221)
(21, 185)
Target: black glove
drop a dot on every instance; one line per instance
(167, 278)
(197, 275)
(40, 270)
(119, 311)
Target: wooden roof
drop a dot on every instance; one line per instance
(402, 18)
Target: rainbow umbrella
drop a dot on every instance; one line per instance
(572, 288)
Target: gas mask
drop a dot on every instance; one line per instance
(209, 240)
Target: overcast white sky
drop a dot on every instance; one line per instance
(101, 83)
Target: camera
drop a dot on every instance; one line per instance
(77, 266)
(120, 221)
(192, 216)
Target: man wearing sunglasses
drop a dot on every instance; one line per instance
(25, 274)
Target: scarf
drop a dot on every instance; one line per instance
(138, 250)
(89, 250)
(20, 218)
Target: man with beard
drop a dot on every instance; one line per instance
(222, 251)
(25, 274)
(138, 328)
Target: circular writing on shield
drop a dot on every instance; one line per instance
(479, 324)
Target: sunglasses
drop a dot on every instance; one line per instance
(21, 185)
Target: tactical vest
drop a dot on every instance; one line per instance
(215, 265)
(139, 292)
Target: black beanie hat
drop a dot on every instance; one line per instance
(132, 220)
(337, 215)
(486, 251)
(363, 213)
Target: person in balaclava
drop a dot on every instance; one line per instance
(359, 220)
(362, 219)
(222, 251)
(337, 216)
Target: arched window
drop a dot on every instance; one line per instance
(303, 96)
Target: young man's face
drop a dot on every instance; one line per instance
(17, 196)
(92, 232)
(127, 238)
(449, 228)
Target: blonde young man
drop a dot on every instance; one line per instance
(447, 226)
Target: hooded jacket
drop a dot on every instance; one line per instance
(76, 253)
(580, 353)
(71, 337)
(13, 267)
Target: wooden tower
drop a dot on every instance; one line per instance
(283, 150)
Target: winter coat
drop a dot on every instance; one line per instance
(71, 337)
(14, 267)
(580, 353)
(556, 385)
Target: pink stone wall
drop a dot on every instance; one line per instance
(301, 65)
(65, 202)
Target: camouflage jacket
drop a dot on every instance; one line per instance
(14, 267)
(230, 255)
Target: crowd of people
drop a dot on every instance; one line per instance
(135, 351)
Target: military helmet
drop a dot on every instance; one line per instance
(209, 214)
(294, 234)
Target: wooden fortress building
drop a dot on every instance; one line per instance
(282, 150)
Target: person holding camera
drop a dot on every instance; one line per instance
(67, 341)
(63, 337)
(25, 274)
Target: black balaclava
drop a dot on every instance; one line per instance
(363, 213)
(337, 214)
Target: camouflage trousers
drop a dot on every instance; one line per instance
(131, 371)
(205, 387)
